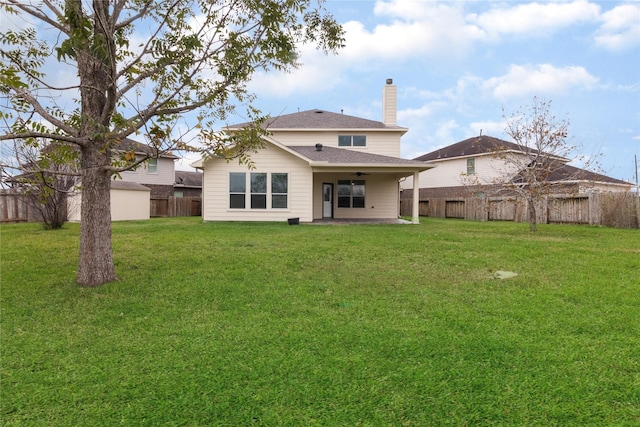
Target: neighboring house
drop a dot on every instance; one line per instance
(315, 165)
(131, 193)
(158, 173)
(187, 184)
(470, 163)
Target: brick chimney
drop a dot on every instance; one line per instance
(389, 103)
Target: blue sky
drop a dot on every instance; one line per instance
(457, 65)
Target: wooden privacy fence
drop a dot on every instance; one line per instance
(614, 209)
(14, 207)
(175, 206)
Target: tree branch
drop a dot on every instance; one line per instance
(39, 14)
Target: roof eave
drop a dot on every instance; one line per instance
(406, 167)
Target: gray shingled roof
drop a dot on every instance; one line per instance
(188, 179)
(565, 172)
(486, 144)
(342, 156)
(126, 185)
(320, 119)
(469, 147)
(138, 147)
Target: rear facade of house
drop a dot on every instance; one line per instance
(315, 165)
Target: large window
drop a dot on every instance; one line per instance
(279, 190)
(237, 190)
(351, 193)
(471, 166)
(258, 185)
(352, 140)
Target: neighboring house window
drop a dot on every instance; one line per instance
(237, 190)
(258, 186)
(351, 193)
(178, 194)
(352, 140)
(152, 165)
(471, 166)
(279, 190)
(258, 191)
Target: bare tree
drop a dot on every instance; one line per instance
(45, 192)
(543, 151)
(187, 69)
(535, 164)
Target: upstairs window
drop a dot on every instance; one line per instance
(152, 165)
(352, 140)
(351, 193)
(471, 166)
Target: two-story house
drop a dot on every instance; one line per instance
(132, 191)
(157, 173)
(471, 164)
(315, 165)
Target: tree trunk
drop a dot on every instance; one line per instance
(96, 262)
(96, 69)
(533, 220)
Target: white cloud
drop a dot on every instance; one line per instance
(444, 131)
(522, 80)
(317, 75)
(185, 160)
(620, 29)
(416, 28)
(491, 128)
(535, 19)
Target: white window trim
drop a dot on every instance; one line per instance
(269, 194)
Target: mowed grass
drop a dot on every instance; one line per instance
(232, 324)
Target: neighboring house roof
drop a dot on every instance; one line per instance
(320, 119)
(569, 173)
(484, 144)
(188, 179)
(140, 148)
(126, 185)
(477, 145)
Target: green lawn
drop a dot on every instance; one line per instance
(231, 324)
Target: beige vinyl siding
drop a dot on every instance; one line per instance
(74, 202)
(130, 205)
(126, 205)
(381, 196)
(453, 173)
(164, 176)
(270, 160)
(386, 143)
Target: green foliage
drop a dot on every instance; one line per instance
(195, 56)
(268, 324)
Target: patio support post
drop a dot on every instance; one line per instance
(415, 215)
